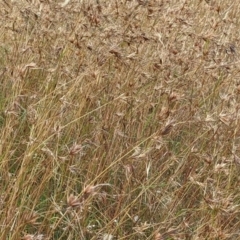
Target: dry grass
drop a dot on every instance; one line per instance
(119, 119)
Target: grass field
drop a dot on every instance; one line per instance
(119, 120)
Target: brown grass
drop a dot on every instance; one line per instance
(119, 119)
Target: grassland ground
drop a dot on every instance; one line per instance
(119, 120)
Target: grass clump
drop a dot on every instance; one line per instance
(119, 120)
